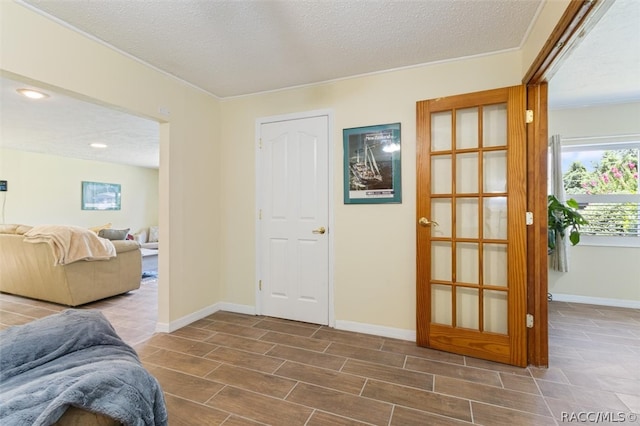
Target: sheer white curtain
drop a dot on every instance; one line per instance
(558, 260)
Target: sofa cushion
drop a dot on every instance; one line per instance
(114, 234)
(23, 229)
(123, 246)
(8, 229)
(14, 229)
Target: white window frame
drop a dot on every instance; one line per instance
(605, 143)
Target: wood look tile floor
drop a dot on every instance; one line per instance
(233, 369)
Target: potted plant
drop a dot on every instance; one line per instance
(562, 217)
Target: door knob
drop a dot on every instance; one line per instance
(320, 230)
(423, 221)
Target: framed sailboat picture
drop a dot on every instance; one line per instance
(372, 164)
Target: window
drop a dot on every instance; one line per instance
(603, 179)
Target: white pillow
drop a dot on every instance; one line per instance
(153, 234)
(141, 236)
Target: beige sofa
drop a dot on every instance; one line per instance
(29, 270)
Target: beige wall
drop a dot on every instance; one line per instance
(45, 189)
(599, 120)
(599, 275)
(598, 272)
(36, 48)
(378, 288)
(209, 247)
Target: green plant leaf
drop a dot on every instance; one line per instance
(574, 237)
(561, 217)
(573, 203)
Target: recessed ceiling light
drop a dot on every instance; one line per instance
(98, 145)
(32, 94)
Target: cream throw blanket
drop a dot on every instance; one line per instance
(71, 243)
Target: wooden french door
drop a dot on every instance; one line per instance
(471, 228)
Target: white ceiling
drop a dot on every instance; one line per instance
(604, 65)
(65, 126)
(233, 48)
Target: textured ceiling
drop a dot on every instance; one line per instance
(232, 48)
(604, 66)
(60, 125)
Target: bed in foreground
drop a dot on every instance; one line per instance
(74, 359)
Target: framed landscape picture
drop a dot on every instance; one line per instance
(100, 196)
(372, 164)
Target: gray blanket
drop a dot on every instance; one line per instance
(74, 358)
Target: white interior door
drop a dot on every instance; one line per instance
(294, 213)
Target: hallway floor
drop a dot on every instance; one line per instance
(234, 369)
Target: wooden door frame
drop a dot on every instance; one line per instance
(569, 26)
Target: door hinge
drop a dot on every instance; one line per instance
(529, 321)
(260, 143)
(529, 116)
(260, 214)
(260, 285)
(528, 217)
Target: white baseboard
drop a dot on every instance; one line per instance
(358, 327)
(186, 320)
(203, 313)
(618, 303)
(377, 330)
(238, 309)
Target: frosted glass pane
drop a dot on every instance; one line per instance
(495, 264)
(495, 218)
(467, 173)
(441, 174)
(441, 261)
(441, 213)
(467, 308)
(467, 128)
(495, 171)
(467, 270)
(495, 312)
(494, 125)
(441, 304)
(467, 218)
(441, 131)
